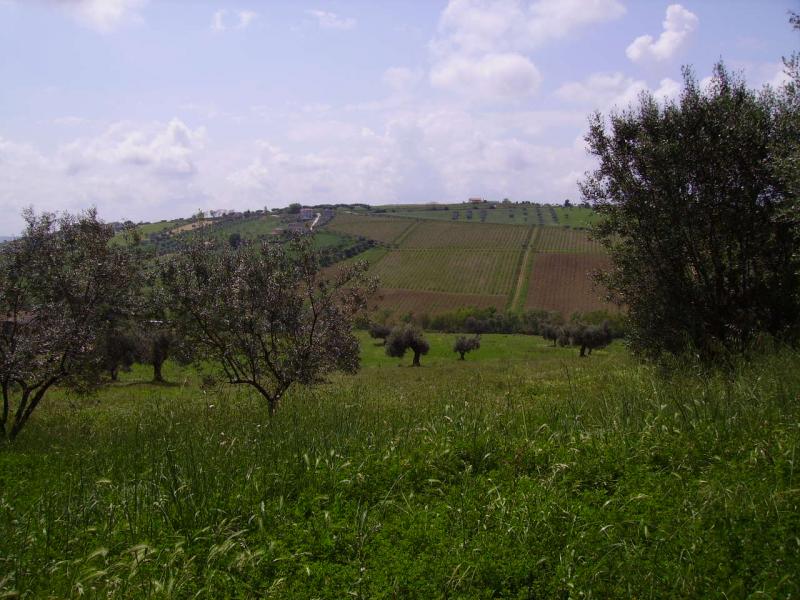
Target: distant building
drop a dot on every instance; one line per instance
(476, 200)
(306, 214)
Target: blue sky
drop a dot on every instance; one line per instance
(154, 109)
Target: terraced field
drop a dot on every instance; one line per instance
(467, 271)
(382, 229)
(430, 234)
(562, 239)
(562, 282)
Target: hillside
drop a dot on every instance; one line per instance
(435, 263)
(432, 259)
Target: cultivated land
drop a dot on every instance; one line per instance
(377, 228)
(498, 213)
(434, 265)
(489, 272)
(560, 282)
(428, 264)
(522, 472)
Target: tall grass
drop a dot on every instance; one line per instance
(591, 478)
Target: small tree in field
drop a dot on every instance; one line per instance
(407, 337)
(591, 337)
(156, 343)
(119, 351)
(465, 344)
(551, 332)
(61, 284)
(379, 332)
(263, 313)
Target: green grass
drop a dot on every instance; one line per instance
(522, 472)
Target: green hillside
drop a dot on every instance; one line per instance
(434, 264)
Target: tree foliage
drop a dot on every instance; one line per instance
(378, 331)
(692, 214)
(263, 314)
(61, 287)
(404, 338)
(464, 344)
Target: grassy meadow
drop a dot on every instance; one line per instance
(521, 472)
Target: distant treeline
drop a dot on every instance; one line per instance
(491, 320)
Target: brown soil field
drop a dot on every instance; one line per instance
(561, 239)
(562, 282)
(423, 302)
(385, 230)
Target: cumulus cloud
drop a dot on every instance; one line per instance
(480, 26)
(232, 19)
(330, 20)
(492, 76)
(165, 152)
(104, 16)
(128, 171)
(602, 91)
(679, 25)
(482, 46)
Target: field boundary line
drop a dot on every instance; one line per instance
(523, 275)
(406, 232)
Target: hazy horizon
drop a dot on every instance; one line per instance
(151, 110)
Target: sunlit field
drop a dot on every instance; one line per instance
(523, 471)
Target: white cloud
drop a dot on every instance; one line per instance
(105, 16)
(602, 91)
(167, 151)
(329, 20)
(679, 24)
(224, 19)
(492, 76)
(128, 171)
(482, 26)
(402, 79)
(482, 47)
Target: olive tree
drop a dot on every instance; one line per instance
(263, 313)
(407, 337)
(464, 344)
(692, 213)
(378, 331)
(61, 287)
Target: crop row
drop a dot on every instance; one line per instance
(376, 228)
(562, 239)
(563, 282)
(489, 272)
(432, 234)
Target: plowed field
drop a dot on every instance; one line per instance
(562, 282)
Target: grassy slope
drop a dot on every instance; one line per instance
(521, 472)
